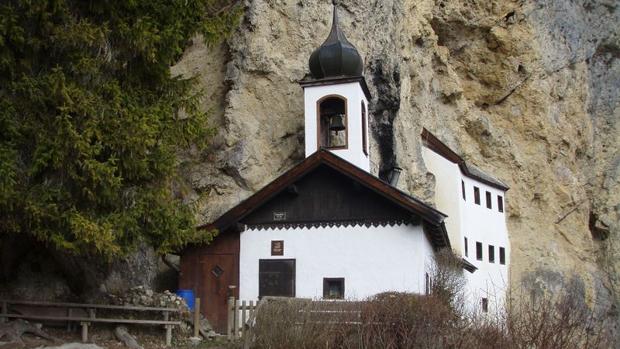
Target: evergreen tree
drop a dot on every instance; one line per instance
(90, 121)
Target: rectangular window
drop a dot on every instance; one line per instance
(500, 203)
(491, 254)
(276, 277)
(465, 247)
(485, 305)
(477, 195)
(427, 284)
(333, 288)
(489, 204)
(502, 255)
(463, 189)
(479, 250)
(364, 131)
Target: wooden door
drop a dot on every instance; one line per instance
(219, 272)
(276, 277)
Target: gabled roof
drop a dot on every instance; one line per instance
(434, 144)
(433, 219)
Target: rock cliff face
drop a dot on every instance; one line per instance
(526, 90)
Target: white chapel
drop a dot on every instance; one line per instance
(329, 229)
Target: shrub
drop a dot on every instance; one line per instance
(403, 320)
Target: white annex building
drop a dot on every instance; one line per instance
(476, 222)
(328, 228)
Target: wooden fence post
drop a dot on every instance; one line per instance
(168, 329)
(236, 325)
(231, 316)
(85, 324)
(250, 309)
(69, 313)
(168, 335)
(197, 317)
(5, 311)
(243, 309)
(84, 331)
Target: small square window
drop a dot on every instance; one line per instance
(333, 288)
(500, 203)
(217, 271)
(502, 255)
(466, 247)
(485, 305)
(491, 254)
(489, 204)
(463, 189)
(479, 250)
(477, 195)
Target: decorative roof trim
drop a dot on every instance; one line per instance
(434, 144)
(430, 216)
(309, 82)
(324, 224)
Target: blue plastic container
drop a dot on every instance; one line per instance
(188, 296)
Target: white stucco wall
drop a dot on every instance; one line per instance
(354, 95)
(478, 224)
(447, 194)
(371, 259)
(488, 226)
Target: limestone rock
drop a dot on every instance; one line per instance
(527, 90)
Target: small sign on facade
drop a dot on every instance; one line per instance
(277, 247)
(279, 216)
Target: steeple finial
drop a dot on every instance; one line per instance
(336, 56)
(334, 33)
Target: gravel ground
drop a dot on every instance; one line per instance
(149, 338)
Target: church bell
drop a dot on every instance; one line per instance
(337, 123)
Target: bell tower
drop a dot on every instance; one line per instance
(336, 100)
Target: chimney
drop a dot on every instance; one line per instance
(394, 175)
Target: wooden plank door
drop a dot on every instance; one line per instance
(219, 271)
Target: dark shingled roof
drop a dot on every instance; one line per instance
(478, 173)
(433, 220)
(468, 170)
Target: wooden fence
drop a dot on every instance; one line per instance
(242, 314)
(87, 314)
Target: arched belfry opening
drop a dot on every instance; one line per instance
(332, 121)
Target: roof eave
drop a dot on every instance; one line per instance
(468, 266)
(338, 80)
(427, 213)
(434, 144)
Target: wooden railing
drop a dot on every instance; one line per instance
(89, 315)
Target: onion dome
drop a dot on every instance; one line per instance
(336, 56)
